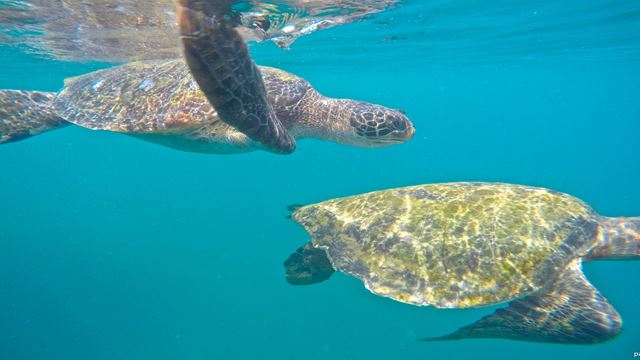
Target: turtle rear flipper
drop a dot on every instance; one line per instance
(26, 113)
(572, 311)
(220, 63)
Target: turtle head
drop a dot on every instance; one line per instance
(350, 122)
(308, 265)
(375, 125)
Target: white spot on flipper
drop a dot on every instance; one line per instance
(193, 85)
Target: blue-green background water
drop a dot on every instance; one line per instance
(113, 248)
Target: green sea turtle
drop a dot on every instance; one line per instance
(462, 245)
(220, 103)
(160, 102)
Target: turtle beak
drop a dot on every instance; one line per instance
(406, 134)
(403, 128)
(410, 132)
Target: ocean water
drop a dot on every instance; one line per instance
(114, 248)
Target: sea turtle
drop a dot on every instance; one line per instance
(160, 102)
(463, 245)
(220, 103)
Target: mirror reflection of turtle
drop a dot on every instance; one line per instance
(465, 245)
(220, 103)
(116, 31)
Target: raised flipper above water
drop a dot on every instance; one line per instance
(26, 113)
(221, 65)
(572, 311)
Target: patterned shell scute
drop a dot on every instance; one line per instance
(286, 92)
(452, 245)
(141, 97)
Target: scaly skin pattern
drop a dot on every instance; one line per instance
(26, 113)
(618, 238)
(219, 61)
(453, 245)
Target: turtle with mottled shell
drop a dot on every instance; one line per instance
(215, 100)
(160, 102)
(465, 245)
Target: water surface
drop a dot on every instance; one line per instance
(113, 248)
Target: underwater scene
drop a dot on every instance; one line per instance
(397, 179)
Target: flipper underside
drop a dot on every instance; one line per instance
(221, 65)
(572, 311)
(26, 113)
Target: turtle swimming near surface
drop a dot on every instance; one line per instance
(160, 101)
(463, 245)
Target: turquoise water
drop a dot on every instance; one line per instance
(114, 248)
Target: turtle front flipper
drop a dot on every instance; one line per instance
(220, 63)
(308, 265)
(26, 113)
(572, 311)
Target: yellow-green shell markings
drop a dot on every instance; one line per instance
(452, 245)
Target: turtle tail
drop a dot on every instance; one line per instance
(618, 238)
(26, 113)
